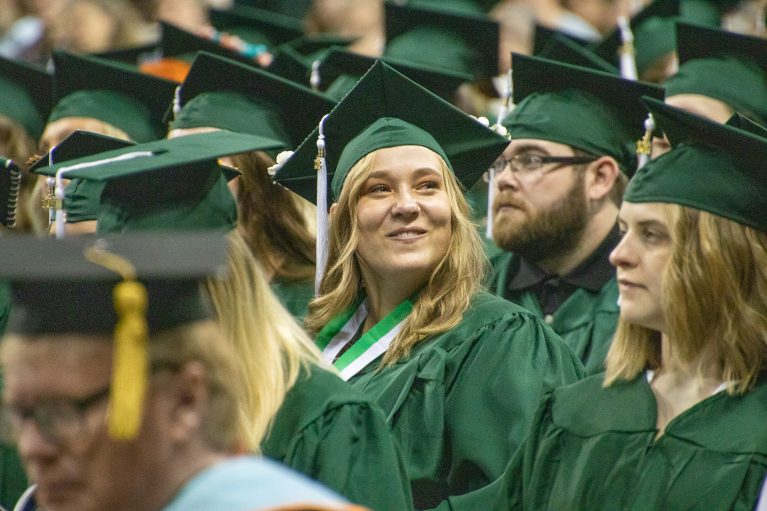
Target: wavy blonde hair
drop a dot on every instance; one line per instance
(271, 347)
(714, 289)
(451, 286)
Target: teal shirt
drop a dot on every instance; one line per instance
(594, 448)
(461, 403)
(294, 296)
(586, 320)
(334, 434)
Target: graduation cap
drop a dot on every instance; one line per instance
(722, 65)
(744, 123)
(563, 49)
(123, 287)
(224, 94)
(293, 8)
(711, 167)
(542, 35)
(347, 68)
(446, 39)
(654, 35)
(706, 12)
(256, 26)
(555, 101)
(112, 92)
(167, 184)
(10, 182)
(26, 94)
(81, 198)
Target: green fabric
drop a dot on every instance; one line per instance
(13, 481)
(592, 448)
(711, 167)
(233, 112)
(16, 104)
(334, 434)
(436, 47)
(385, 132)
(715, 77)
(256, 26)
(586, 321)
(460, 404)
(5, 306)
(654, 39)
(26, 93)
(294, 296)
(705, 12)
(556, 100)
(563, 49)
(81, 200)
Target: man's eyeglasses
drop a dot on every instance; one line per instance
(528, 163)
(59, 421)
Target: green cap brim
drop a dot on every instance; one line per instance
(79, 144)
(563, 49)
(26, 95)
(256, 26)
(711, 167)
(384, 93)
(542, 35)
(744, 123)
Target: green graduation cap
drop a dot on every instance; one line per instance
(556, 100)
(26, 95)
(563, 49)
(314, 46)
(81, 198)
(293, 8)
(722, 65)
(706, 12)
(711, 167)
(167, 184)
(542, 35)
(744, 123)
(10, 183)
(124, 287)
(224, 94)
(133, 55)
(256, 26)
(347, 68)
(446, 39)
(111, 92)
(654, 35)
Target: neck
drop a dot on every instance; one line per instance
(385, 294)
(704, 367)
(597, 229)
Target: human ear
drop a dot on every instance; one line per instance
(188, 399)
(333, 208)
(601, 175)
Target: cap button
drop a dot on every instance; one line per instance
(548, 318)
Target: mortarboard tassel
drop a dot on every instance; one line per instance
(13, 176)
(321, 166)
(506, 107)
(130, 361)
(644, 145)
(315, 79)
(627, 56)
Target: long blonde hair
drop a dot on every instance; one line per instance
(451, 286)
(714, 290)
(271, 347)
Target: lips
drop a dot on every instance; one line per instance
(504, 201)
(628, 284)
(406, 233)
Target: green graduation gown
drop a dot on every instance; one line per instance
(586, 320)
(592, 448)
(461, 403)
(332, 433)
(294, 296)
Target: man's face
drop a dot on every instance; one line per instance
(55, 392)
(543, 213)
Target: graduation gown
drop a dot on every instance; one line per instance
(461, 402)
(334, 434)
(586, 320)
(593, 449)
(294, 296)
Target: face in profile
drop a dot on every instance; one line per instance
(56, 396)
(640, 260)
(403, 215)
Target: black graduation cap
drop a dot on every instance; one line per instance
(542, 35)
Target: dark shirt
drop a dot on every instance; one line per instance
(553, 290)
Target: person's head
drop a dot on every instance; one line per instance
(600, 14)
(691, 264)
(63, 390)
(400, 221)
(557, 181)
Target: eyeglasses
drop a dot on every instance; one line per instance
(525, 164)
(60, 421)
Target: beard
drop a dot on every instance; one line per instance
(543, 234)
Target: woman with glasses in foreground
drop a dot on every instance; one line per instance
(400, 310)
(677, 421)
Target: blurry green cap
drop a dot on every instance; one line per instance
(224, 94)
(542, 35)
(81, 197)
(711, 167)
(706, 12)
(111, 92)
(654, 35)
(563, 49)
(722, 65)
(437, 38)
(555, 101)
(744, 123)
(348, 67)
(293, 8)
(387, 109)
(174, 184)
(26, 93)
(256, 26)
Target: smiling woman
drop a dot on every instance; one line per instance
(400, 311)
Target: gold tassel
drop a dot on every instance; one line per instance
(130, 361)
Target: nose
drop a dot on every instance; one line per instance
(32, 445)
(622, 255)
(506, 179)
(406, 205)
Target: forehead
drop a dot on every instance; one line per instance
(406, 157)
(643, 212)
(533, 144)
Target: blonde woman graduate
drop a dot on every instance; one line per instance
(293, 410)
(400, 311)
(678, 419)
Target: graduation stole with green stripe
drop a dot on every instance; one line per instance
(340, 331)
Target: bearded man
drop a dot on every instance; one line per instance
(558, 187)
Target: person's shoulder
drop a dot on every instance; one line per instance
(492, 307)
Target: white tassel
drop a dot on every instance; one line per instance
(644, 145)
(315, 79)
(176, 102)
(628, 60)
(506, 104)
(321, 166)
(490, 200)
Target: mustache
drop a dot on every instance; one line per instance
(507, 199)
